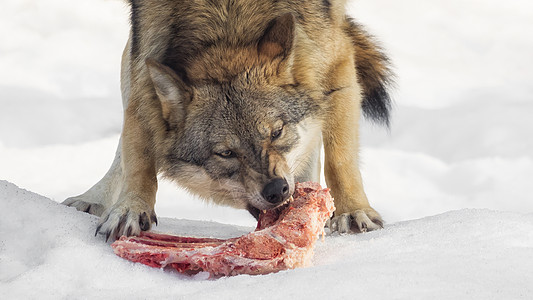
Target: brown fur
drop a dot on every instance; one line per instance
(181, 53)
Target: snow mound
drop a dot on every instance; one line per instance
(49, 251)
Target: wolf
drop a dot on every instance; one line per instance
(234, 100)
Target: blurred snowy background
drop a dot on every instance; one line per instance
(461, 137)
(461, 128)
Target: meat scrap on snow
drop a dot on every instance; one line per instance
(284, 239)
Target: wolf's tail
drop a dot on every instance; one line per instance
(373, 73)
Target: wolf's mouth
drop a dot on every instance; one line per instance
(278, 207)
(268, 217)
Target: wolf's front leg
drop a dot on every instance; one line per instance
(133, 211)
(353, 212)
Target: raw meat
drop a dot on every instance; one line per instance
(283, 239)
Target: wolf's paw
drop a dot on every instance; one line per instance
(80, 203)
(361, 220)
(128, 216)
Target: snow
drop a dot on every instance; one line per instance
(451, 177)
(467, 253)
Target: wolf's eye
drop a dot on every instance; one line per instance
(276, 134)
(226, 154)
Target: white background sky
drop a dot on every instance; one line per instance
(460, 128)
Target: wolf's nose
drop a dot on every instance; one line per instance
(276, 191)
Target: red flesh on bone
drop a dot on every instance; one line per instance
(283, 239)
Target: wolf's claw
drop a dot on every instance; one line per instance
(361, 220)
(127, 217)
(154, 219)
(85, 206)
(144, 221)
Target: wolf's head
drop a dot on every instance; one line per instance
(239, 127)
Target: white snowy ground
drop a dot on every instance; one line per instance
(49, 251)
(452, 177)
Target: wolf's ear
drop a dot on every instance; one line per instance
(278, 38)
(173, 93)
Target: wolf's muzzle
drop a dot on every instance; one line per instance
(276, 191)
